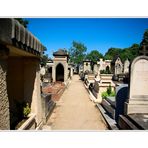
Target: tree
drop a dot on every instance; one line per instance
(130, 52)
(23, 22)
(44, 59)
(77, 52)
(111, 53)
(145, 38)
(94, 56)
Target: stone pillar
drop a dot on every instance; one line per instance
(65, 71)
(4, 101)
(71, 72)
(32, 92)
(54, 72)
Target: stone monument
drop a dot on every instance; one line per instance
(126, 66)
(138, 94)
(60, 66)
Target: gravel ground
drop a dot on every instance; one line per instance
(75, 111)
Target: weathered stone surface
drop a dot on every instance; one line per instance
(121, 97)
(4, 102)
(47, 104)
(108, 107)
(139, 79)
(116, 65)
(126, 66)
(125, 124)
(138, 93)
(13, 33)
(102, 85)
(60, 66)
(86, 66)
(141, 120)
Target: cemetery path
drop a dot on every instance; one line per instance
(75, 111)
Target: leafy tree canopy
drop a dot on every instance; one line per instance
(77, 52)
(130, 52)
(94, 56)
(145, 38)
(111, 53)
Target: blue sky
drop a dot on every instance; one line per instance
(95, 33)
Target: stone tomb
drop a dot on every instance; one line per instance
(115, 105)
(86, 66)
(102, 85)
(116, 66)
(20, 53)
(138, 93)
(89, 79)
(60, 66)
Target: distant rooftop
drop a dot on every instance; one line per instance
(61, 52)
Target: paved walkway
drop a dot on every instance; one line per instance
(75, 111)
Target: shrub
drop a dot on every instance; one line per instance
(104, 95)
(105, 72)
(108, 92)
(112, 94)
(26, 110)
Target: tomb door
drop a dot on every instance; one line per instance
(60, 73)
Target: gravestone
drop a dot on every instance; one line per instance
(95, 69)
(138, 94)
(121, 97)
(126, 66)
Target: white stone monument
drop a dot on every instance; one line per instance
(126, 66)
(138, 94)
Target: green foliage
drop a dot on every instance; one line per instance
(104, 95)
(111, 53)
(23, 22)
(112, 94)
(77, 52)
(108, 92)
(130, 52)
(44, 59)
(94, 56)
(105, 72)
(26, 110)
(145, 39)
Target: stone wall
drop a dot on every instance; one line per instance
(4, 102)
(15, 88)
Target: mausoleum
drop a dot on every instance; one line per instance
(20, 54)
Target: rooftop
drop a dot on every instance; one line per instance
(61, 52)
